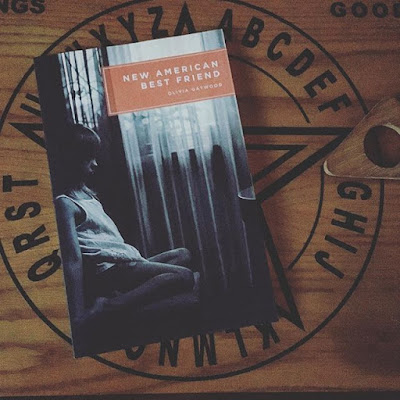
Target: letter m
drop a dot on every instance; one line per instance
(207, 343)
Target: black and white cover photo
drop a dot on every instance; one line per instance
(160, 231)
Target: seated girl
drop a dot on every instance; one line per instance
(123, 277)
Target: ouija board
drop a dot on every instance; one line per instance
(305, 73)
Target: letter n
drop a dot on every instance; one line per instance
(172, 348)
(268, 331)
(207, 343)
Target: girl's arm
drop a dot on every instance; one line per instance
(67, 213)
(126, 253)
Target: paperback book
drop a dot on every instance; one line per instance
(160, 230)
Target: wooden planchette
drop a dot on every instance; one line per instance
(372, 150)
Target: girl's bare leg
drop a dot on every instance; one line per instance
(146, 282)
(180, 256)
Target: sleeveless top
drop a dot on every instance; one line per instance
(99, 238)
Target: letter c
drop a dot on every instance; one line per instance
(282, 37)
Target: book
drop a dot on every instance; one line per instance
(160, 230)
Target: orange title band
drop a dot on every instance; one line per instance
(167, 81)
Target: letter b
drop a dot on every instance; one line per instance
(252, 35)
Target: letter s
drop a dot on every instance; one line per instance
(38, 6)
(12, 215)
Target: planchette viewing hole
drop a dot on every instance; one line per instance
(382, 145)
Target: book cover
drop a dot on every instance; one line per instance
(160, 230)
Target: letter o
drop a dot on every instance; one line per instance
(380, 10)
(134, 354)
(359, 9)
(338, 9)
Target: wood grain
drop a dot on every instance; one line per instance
(349, 340)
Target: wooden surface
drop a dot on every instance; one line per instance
(345, 333)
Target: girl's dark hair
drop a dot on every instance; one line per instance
(81, 142)
(77, 145)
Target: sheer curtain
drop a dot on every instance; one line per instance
(82, 86)
(188, 165)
